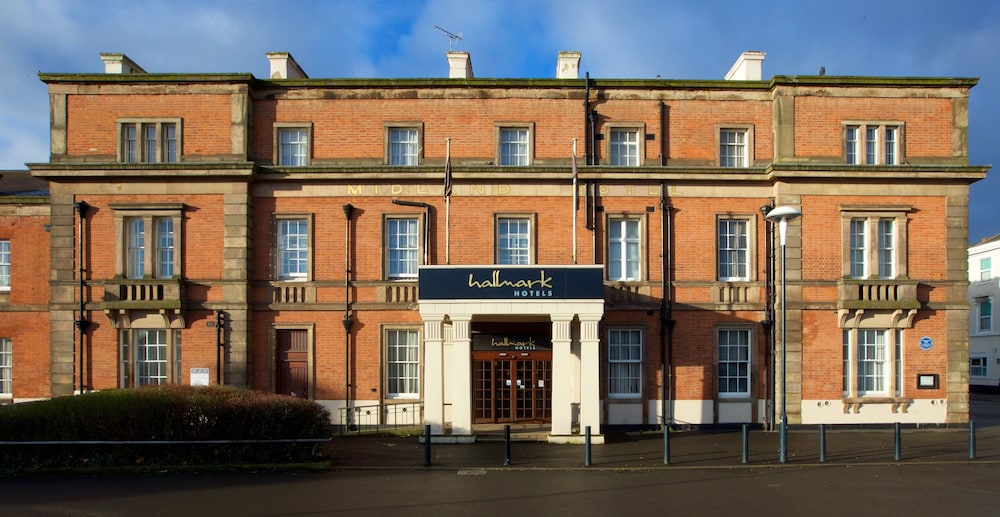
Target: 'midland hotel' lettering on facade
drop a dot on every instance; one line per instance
(523, 288)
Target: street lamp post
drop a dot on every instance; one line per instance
(781, 215)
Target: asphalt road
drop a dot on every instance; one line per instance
(936, 477)
(905, 490)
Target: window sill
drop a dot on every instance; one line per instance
(146, 294)
(628, 292)
(731, 292)
(292, 292)
(899, 404)
(877, 294)
(396, 291)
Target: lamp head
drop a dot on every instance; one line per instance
(783, 213)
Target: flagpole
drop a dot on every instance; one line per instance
(575, 201)
(447, 202)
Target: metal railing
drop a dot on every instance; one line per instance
(381, 417)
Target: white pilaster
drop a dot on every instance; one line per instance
(433, 376)
(562, 375)
(460, 380)
(590, 383)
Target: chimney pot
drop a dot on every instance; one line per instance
(747, 67)
(118, 63)
(283, 66)
(568, 66)
(459, 65)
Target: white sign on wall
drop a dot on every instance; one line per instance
(199, 376)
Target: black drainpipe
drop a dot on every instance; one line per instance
(663, 135)
(767, 323)
(81, 323)
(592, 186)
(220, 345)
(591, 153)
(666, 309)
(348, 320)
(427, 220)
(586, 120)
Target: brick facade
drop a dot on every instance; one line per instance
(230, 194)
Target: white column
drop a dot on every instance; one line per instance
(460, 380)
(562, 375)
(433, 376)
(590, 378)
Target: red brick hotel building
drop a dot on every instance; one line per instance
(569, 252)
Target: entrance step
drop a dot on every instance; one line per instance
(518, 432)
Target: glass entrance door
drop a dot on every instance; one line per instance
(513, 389)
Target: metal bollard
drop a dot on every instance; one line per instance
(822, 443)
(427, 445)
(586, 454)
(666, 444)
(506, 440)
(898, 448)
(746, 444)
(972, 439)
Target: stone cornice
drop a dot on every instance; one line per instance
(143, 78)
(650, 84)
(879, 172)
(149, 170)
(965, 173)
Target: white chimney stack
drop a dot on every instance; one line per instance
(283, 66)
(459, 65)
(747, 67)
(568, 66)
(117, 63)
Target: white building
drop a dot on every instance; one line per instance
(984, 332)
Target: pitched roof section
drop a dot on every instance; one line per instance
(22, 183)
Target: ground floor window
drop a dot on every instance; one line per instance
(6, 366)
(150, 357)
(624, 362)
(977, 366)
(734, 363)
(402, 363)
(872, 362)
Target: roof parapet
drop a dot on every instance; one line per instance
(118, 63)
(568, 65)
(459, 65)
(283, 66)
(747, 67)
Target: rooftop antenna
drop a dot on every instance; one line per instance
(452, 37)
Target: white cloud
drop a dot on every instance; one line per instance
(512, 38)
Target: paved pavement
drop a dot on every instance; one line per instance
(691, 449)
(387, 476)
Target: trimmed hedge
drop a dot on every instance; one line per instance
(161, 414)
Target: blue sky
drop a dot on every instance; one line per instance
(512, 38)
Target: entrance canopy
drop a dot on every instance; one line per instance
(511, 282)
(571, 298)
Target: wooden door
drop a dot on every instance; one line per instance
(511, 390)
(292, 363)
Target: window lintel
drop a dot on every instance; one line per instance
(147, 208)
(872, 123)
(883, 210)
